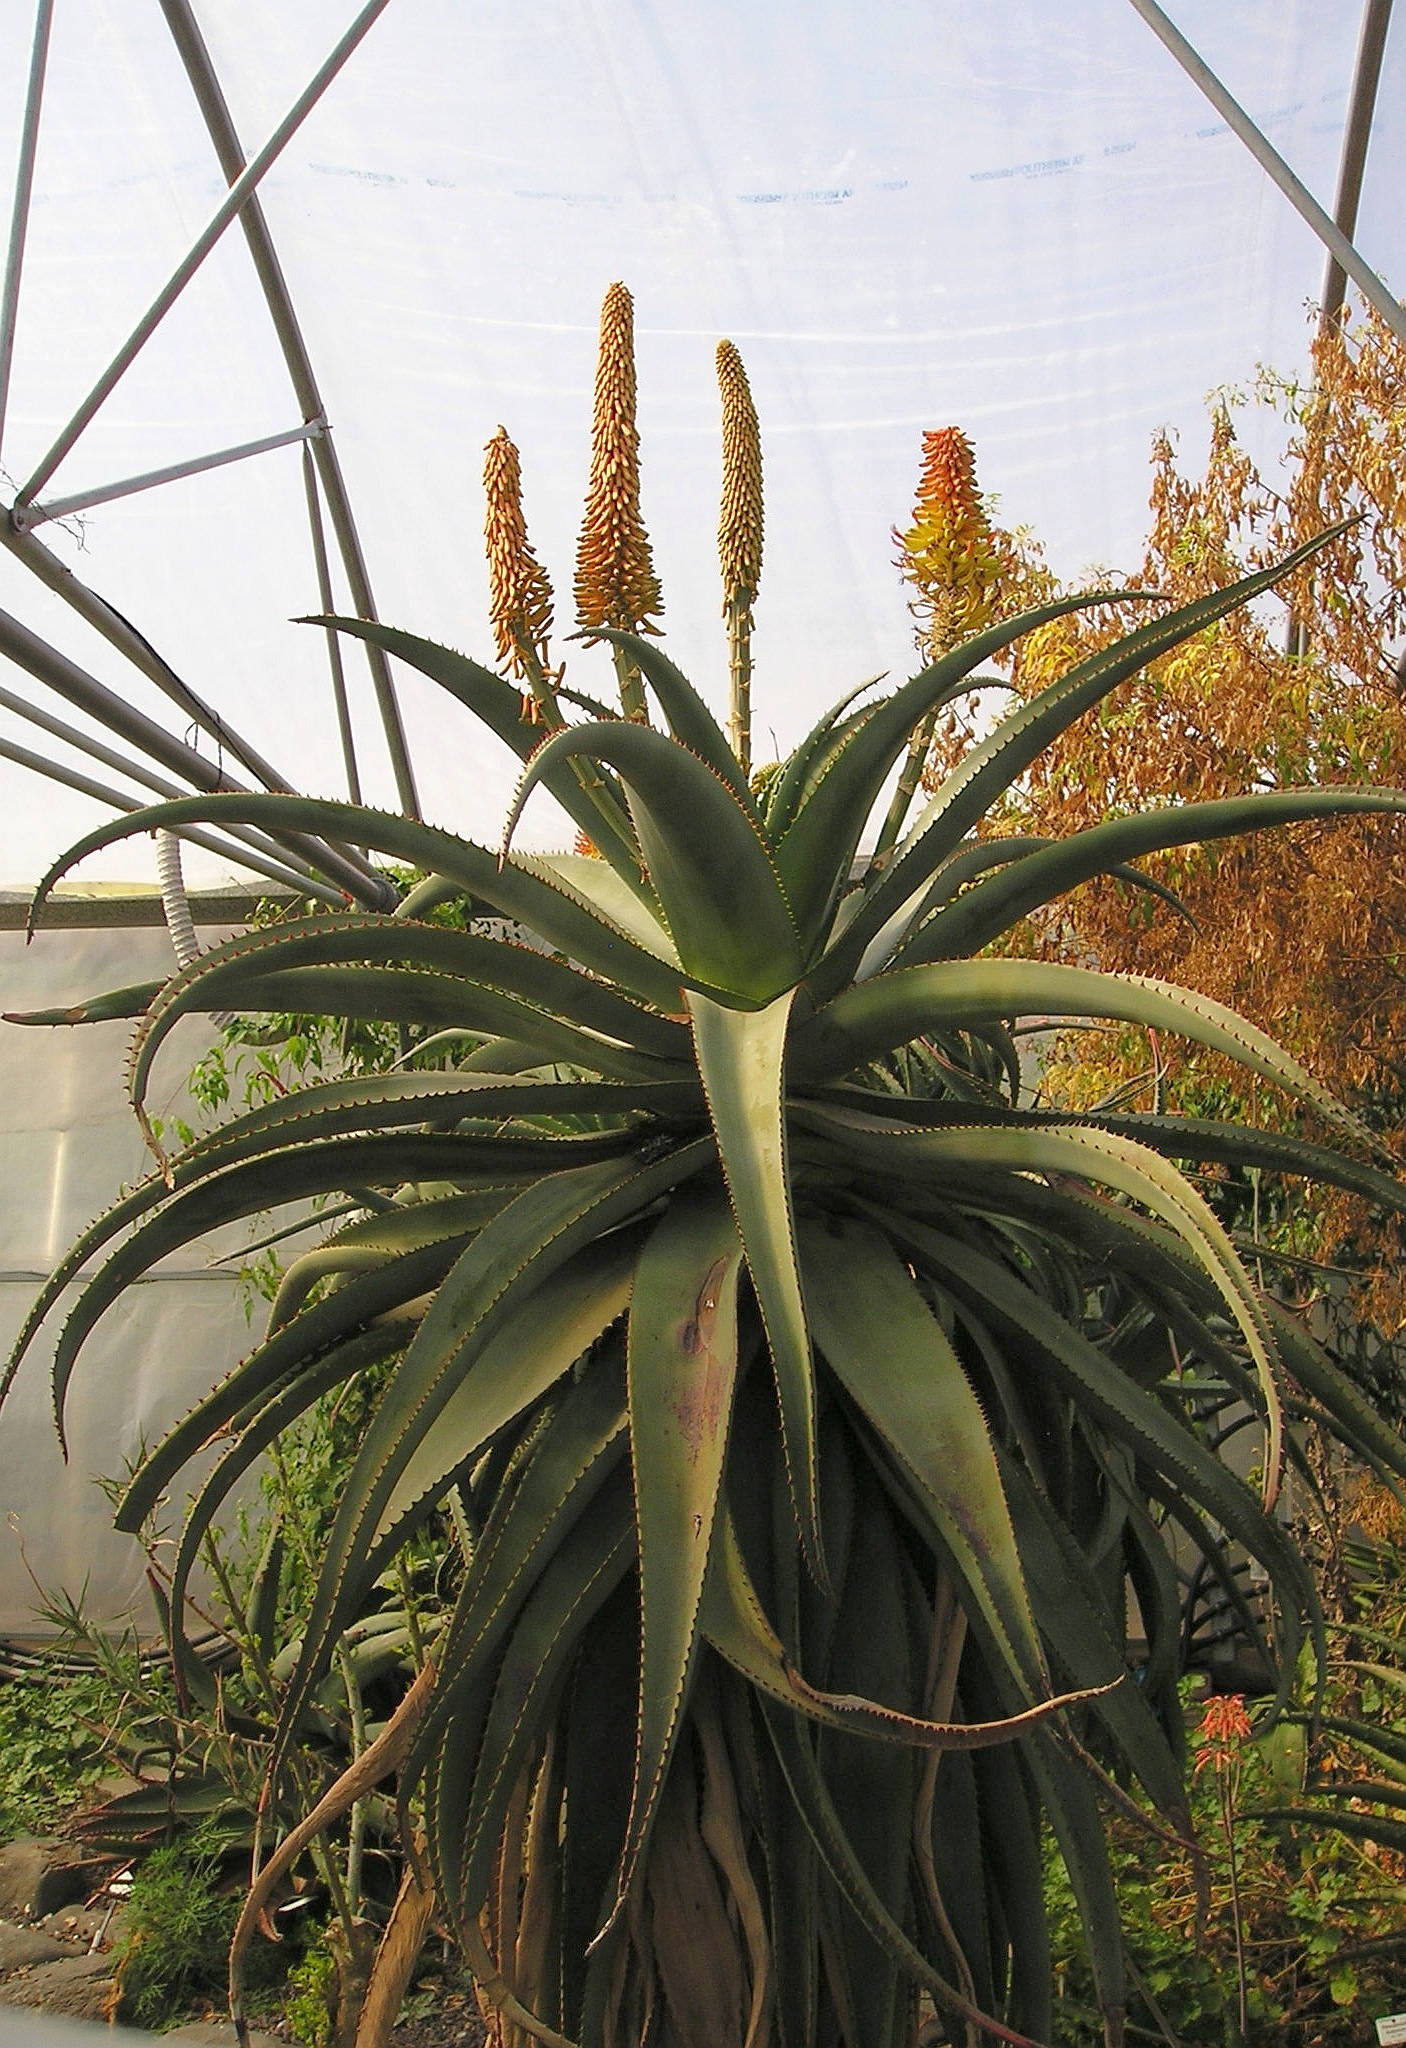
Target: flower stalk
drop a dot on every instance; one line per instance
(739, 539)
(1225, 1728)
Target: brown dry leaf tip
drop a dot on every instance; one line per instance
(519, 588)
(615, 581)
(740, 521)
(948, 554)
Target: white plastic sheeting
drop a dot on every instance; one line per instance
(69, 1144)
(1020, 217)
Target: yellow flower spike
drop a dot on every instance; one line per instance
(739, 538)
(616, 585)
(519, 588)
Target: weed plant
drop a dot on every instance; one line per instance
(173, 1953)
(53, 1746)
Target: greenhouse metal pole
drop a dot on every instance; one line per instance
(334, 644)
(137, 771)
(26, 517)
(1376, 18)
(236, 197)
(121, 634)
(54, 669)
(24, 187)
(200, 70)
(1265, 154)
(120, 800)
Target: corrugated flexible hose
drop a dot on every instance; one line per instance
(176, 906)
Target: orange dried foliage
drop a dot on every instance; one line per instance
(1303, 930)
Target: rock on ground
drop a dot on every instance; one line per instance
(20, 1947)
(220, 2034)
(38, 1876)
(79, 1987)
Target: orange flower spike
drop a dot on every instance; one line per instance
(1223, 1727)
(519, 588)
(615, 581)
(948, 553)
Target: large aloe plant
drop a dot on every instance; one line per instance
(807, 1402)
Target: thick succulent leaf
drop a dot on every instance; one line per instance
(1377, 1441)
(810, 757)
(874, 1016)
(216, 980)
(577, 1580)
(897, 1365)
(367, 1102)
(1013, 1851)
(524, 1244)
(1175, 1137)
(992, 767)
(1075, 1626)
(983, 913)
(1132, 1416)
(498, 705)
(1154, 1581)
(118, 1002)
(288, 1354)
(396, 995)
(707, 861)
(579, 1451)
(603, 893)
(965, 866)
(1384, 1742)
(815, 853)
(812, 1798)
(793, 1880)
(1212, 1548)
(379, 1102)
(872, 1653)
(298, 1173)
(741, 1057)
(732, 1619)
(370, 1347)
(1078, 1827)
(1134, 1171)
(1361, 1827)
(512, 888)
(555, 1326)
(952, 1833)
(597, 1770)
(682, 1373)
(385, 1235)
(689, 718)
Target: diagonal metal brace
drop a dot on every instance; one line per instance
(200, 70)
(1265, 154)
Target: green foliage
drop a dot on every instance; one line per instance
(310, 2006)
(176, 1928)
(1320, 1918)
(56, 1731)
